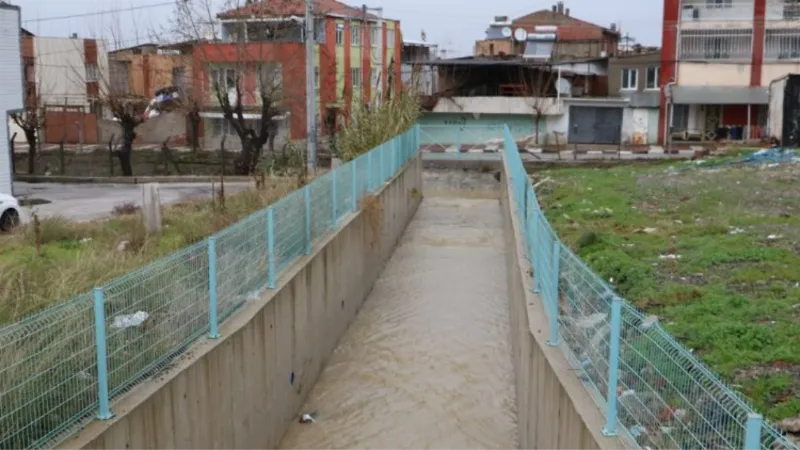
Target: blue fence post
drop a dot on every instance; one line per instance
(531, 233)
(610, 429)
(553, 300)
(537, 252)
(213, 321)
(752, 436)
(307, 195)
(417, 139)
(334, 198)
(104, 410)
(271, 269)
(369, 171)
(354, 183)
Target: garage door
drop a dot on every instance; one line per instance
(594, 125)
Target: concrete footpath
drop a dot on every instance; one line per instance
(94, 201)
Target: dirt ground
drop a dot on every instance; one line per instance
(713, 250)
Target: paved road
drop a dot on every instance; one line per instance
(427, 362)
(94, 201)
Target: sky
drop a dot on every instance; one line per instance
(454, 25)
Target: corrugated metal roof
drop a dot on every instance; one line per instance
(719, 95)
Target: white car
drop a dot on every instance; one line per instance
(10, 216)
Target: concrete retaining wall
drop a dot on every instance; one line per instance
(243, 390)
(555, 411)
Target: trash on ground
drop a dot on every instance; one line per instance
(670, 257)
(647, 230)
(308, 418)
(773, 237)
(736, 231)
(130, 320)
(648, 323)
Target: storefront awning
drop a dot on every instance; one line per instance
(719, 95)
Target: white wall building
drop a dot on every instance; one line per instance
(11, 85)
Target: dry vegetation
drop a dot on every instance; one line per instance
(77, 256)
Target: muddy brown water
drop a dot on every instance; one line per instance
(427, 362)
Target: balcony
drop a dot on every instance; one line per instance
(780, 10)
(694, 13)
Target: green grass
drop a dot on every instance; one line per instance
(733, 296)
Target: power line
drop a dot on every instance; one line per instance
(98, 13)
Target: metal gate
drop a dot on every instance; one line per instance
(594, 125)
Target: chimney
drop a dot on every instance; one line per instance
(613, 27)
(560, 7)
(74, 36)
(555, 9)
(566, 12)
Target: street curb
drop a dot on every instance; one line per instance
(128, 180)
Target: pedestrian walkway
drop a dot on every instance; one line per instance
(427, 362)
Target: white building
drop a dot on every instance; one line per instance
(11, 86)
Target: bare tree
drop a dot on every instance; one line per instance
(248, 89)
(31, 120)
(538, 82)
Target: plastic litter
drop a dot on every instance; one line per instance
(130, 320)
(308, 417)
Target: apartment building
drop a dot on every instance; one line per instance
(356, 58)
(717, 59)
(141, 70)
(63, 76)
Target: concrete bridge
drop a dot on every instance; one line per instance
(412, 326)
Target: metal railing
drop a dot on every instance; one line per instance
(652, 390)
(67, 364)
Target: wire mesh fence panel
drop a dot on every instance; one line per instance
(153, 313)
(50, 379)
(290, 234)
(321, 208)
(663, 397)
(242, 258)
(343, 179)
(48, 374)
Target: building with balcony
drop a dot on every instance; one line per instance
(717, 59)
(356, 59)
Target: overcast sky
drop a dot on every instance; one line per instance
(453, 24)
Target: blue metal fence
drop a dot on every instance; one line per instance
(69, 363)
(650, 388)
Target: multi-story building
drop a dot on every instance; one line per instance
(11, 92)
(718, 58)
(633, 75)
(63, 76)
(356, 58)
(552, 33)
(141, 70)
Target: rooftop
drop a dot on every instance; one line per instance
(282, 8)
(569, 28)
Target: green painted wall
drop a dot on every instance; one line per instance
(452, 128)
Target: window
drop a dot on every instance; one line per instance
(355, 76)
(319, 31)
(355, 35)
(652, 78)
(680, 118)
(791, 9)
(270, 78)
(222, 128)
(375, 36)
(91, 73)
(707, 45)
(339, 34)
(224, 78)
(629, 78)
(782, 44)
(539, 48)
(390, 38)
(719, 4)
(374, 75)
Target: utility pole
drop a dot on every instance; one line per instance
(311, 91)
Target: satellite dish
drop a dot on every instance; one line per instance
(506, 32)
(563, 86)
(520, 34)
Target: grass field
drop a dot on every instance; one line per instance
(76, 256)
(714, 252)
